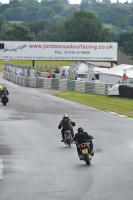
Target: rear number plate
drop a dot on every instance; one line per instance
(84, 151)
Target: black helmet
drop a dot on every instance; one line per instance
(4, 88)
(80, 129)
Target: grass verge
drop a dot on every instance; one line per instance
(45, 69)
(37, 62)
(1, 69)
(122, 106)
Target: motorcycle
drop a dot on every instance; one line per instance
(4, 99)
(85, 153)
(68, 139)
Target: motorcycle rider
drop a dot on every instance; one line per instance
(4, 91)
(66, 124)
(83, 137)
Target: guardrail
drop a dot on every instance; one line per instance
(58, 84)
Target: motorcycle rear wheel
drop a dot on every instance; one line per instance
(4, 103)
(87, 160)
(69, 143)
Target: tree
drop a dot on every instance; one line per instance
(15, 14)
(53, 31)
(32, 17)
(58, 8)
(3, 30)
(125, 41)
(37, 25)
(14, 3)
(84, 5)
(19, 32)
(106, 1)
(85, 27)
(4, 7)
(46, 13)
(69, 12)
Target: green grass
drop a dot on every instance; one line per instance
(122, 106)
(1, 69)
(38, 62)
(45, 69)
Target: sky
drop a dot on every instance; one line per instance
(72, 1)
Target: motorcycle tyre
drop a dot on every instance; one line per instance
(87, 160)
(4, 103)
(69, 143)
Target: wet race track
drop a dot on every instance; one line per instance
(37, 166)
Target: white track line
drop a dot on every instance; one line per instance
(1, 169)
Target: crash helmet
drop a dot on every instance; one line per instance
(4, 88)
(64, 115)
(80, 129)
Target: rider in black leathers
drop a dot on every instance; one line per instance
(4, 91)
(83, 137)
(66, 124)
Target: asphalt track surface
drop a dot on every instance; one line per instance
(37, 166)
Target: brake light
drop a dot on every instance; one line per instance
(68, 134)
(83, 146)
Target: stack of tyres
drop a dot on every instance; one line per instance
(131, 92)
(125, 91)
(122, 91)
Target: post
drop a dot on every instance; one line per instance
(33, 63)
(111, 63)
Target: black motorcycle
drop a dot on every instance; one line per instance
(68, 139)
(4, 99)
(85, 154)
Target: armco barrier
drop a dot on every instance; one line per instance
(57, 83)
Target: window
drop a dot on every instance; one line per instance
(97, 76)
(82, 75)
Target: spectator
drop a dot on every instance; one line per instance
(63, 75)
(52, 75)
(48, 74)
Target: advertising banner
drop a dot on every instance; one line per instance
(105, 51)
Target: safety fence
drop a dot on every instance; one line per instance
(57, 84)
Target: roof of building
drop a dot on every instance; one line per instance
(101, 64)
(119, 70)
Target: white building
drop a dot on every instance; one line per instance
(115, 74)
